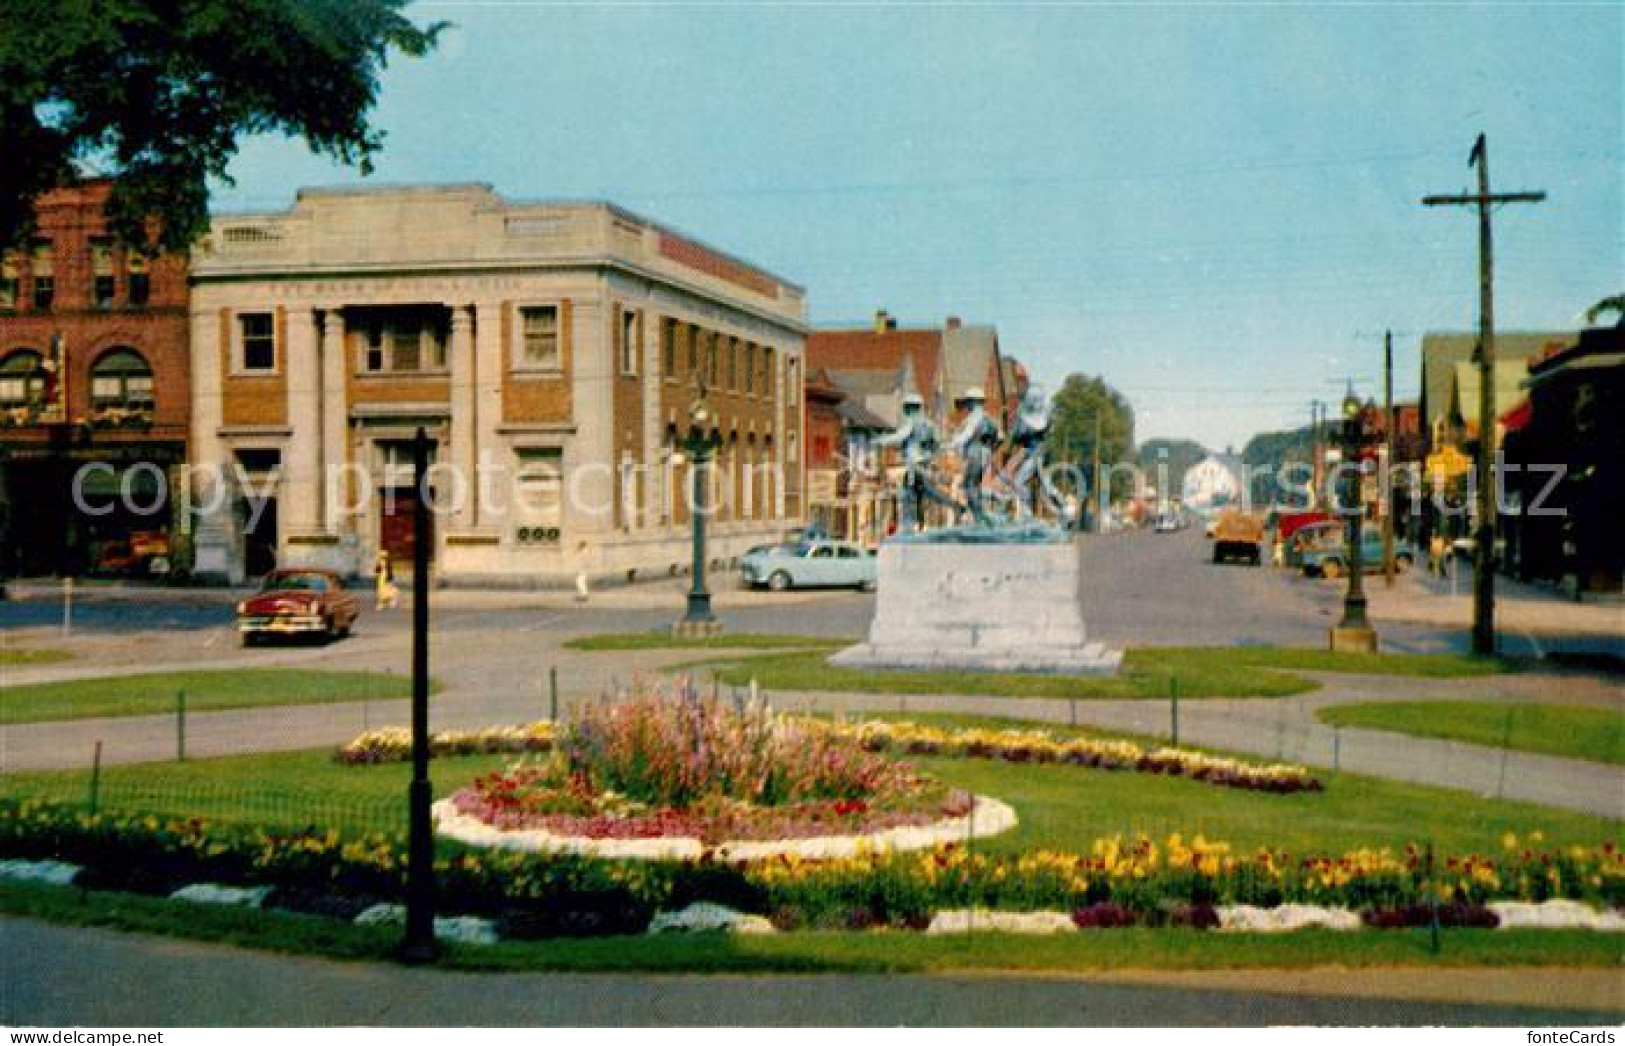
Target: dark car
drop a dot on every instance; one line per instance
(298, 603)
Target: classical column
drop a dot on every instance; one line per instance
(489, 353)
(463, 410)
(302, 469)
(335, 421)
(653, 492)
(216, 550)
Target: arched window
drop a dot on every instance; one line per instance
(121, 378)
(22, 378)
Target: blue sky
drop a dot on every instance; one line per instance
(1213, 206)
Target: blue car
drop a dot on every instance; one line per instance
(809, 564)
(1331, 558)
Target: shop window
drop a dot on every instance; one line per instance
(257, 337)
(22, 379)
(121, 378)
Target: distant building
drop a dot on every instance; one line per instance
(1445, 411)
(1212, 483)
(555, 348)
(94, 394)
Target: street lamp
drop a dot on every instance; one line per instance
(1354, 632)
(699, 446)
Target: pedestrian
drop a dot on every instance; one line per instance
(388, 594)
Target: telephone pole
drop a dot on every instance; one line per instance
(1484, 535)
(1386, 476)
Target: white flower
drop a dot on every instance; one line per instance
(1245, 918)
(980, 920)
(214, 893)
(705, 917)
(1555, 915)
(56, 873)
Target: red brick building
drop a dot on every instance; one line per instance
(93, 372)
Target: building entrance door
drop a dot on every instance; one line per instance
(259, 537)
(397, 521)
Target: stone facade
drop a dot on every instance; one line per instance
(552, 352)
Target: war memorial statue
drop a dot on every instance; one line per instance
(989, 595)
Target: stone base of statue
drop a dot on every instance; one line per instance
(981, 599)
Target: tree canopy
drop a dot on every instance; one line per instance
(157, 93)
(1073, 411)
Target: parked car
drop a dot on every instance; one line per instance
(809, 564)
(1167, 523)
(298, 603)
(1331, 560)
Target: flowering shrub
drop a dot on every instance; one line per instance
(1119, 882)
(394, 744)
(1039, 746)
(648, 767)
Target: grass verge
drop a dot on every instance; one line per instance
(155, 693)
(1060, 807)
(13, 657)
(1574, 731)
(1168, 949)
(1147, 672)
(737, 641)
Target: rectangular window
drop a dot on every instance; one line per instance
(44, 272)
(373, 338)
(539, 327)
(140, 285)
(750, 367)
(668, 348)
(400, 339)
(539, 487)
(10, 280)
(693, 349)
(713, 347)
(257, 331)
(767, 371)
(733, 364)
(630, 342)
(101, 270)
(792, 381)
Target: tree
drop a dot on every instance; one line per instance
(1071, 440)
(1270, 455)
(157, 93)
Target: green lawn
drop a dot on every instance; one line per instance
(1168, 949)
(1576, 731)
(1147, 672)
(155, 693)
(734, 641)
(1061, 807)
(13, 656)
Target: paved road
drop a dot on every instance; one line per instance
(99, 978)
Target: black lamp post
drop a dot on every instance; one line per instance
(1354, 632)
(699, 446)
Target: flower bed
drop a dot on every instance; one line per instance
(1119, 882)
(651, 777)
(898, 738)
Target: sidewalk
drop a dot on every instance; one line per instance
(102, 978)
(1528, 610)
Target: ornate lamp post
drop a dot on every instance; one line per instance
(1354, 632)
(699, 446)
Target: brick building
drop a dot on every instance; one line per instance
(93, 372)
(553, 352)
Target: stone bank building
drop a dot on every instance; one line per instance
(556, 354)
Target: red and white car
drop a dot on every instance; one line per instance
(298, 603)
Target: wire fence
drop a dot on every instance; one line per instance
(279, 807)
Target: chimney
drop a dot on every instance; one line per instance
(883, 322)
(953, 323)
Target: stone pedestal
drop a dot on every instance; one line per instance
(994, 606)
(1353, 639)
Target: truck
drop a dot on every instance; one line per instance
(1238, 535)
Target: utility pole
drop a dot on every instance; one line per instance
(1386, 476)
(1101, 496)
(1484, 535)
